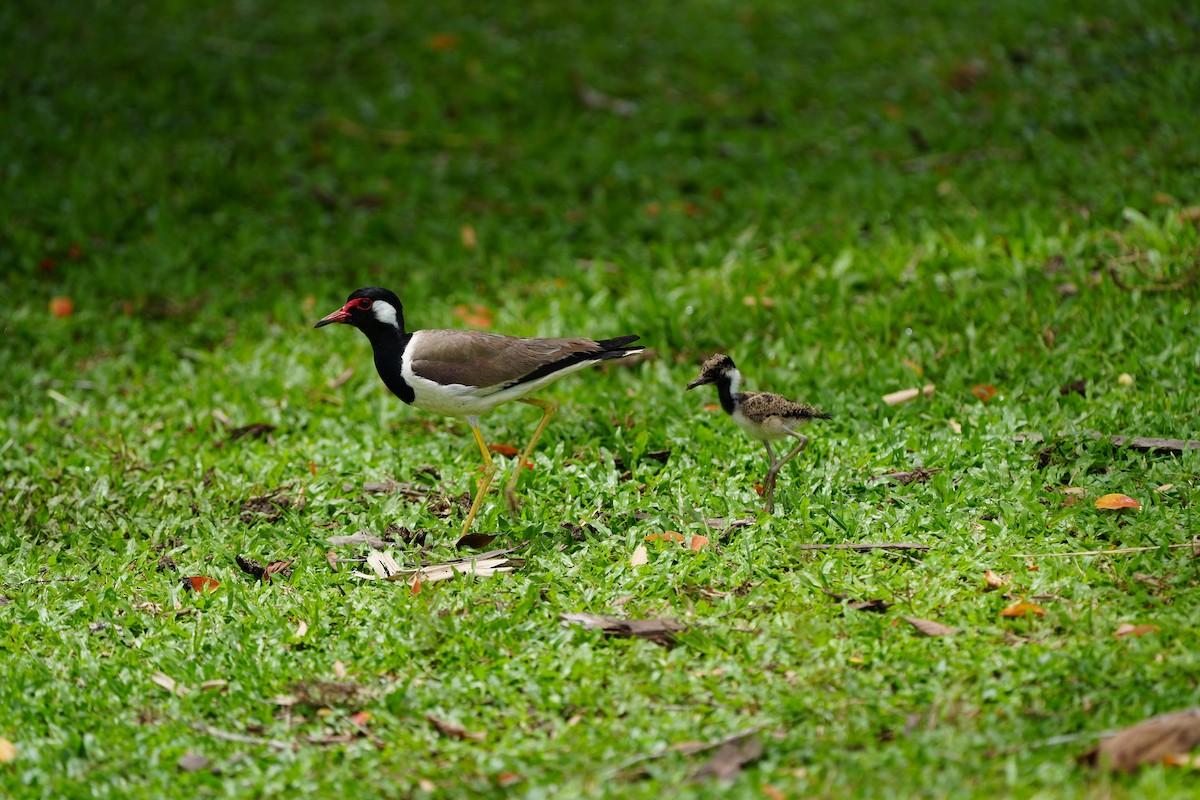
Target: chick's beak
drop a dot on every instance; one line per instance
(698, 382)
(341, 315)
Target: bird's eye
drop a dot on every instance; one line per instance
(364, 303)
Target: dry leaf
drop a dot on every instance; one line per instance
(200, 583)
(192, 762)
(442, 41)
(904, 395)
(361, 718)
(1117, 501)
(383, 564)
(454, 730)
(503, 449)
(772, 793)
(984, 392)
(167, 683)
(698, 541)
(954, 425)
(8, 751)
(929, 627)
(1023, 608)
(469, 240)
(1148, 742)
(62, 306)
(1126, 629)
(639, 556)
(301, 629)
(665, 536)
(1189, 214)
(340, 380)
(661, 631)
(1166, 487)
(474, 315)
(730, 758)
(1125, 379)
(475, 541)
(994, 581)
(216, 683)
(339, 670)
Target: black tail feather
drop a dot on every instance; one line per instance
(609, 348)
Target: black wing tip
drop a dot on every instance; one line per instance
(619, 343)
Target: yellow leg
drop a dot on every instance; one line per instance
(548, 407)
(485, 480)
(769, 483)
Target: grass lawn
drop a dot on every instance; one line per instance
(850, 199)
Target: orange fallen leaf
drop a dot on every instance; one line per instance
(984, 392)
(62, 306)
(1117, 501)
(1023, 608)
(8, 751)
(503, 449)
(361, 718)
(711, 407)
(698, 541)
(200, 583)
(475, 315)
(758, 487)
(771, 793)
(415, 587)
(665, 536)
(1126, 629)
(442, 42)
(993, 580)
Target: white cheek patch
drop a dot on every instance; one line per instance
(735, 380)
(385, 312)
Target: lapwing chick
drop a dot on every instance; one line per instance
(764, 417)
(465, 374)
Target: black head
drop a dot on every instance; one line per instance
(713, 369)
(369, 309)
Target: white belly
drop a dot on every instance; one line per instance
(771, 428)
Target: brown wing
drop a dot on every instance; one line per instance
(475, 358)
(758, 406)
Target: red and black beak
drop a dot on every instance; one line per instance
(341, 315)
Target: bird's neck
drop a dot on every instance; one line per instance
(388, 343)
(728, 384)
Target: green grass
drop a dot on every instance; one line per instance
(838, 196)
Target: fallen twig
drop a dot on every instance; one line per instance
(1114, 552)
(240, 738)
(879, 546)
(688, 748)
(916, 475)
(1143, 444)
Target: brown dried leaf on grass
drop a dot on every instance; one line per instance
(1137, 631)
(916, 475)
(1023, 608)
(992, 580)
(330, 694)
(659, 631)
(255, 430)
(268, 507)
(475, 541)
(1156, 740)
(192, 761)
(874, 604)
(454, 730)
(929, 627)
(255, 568)
(732, 756)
